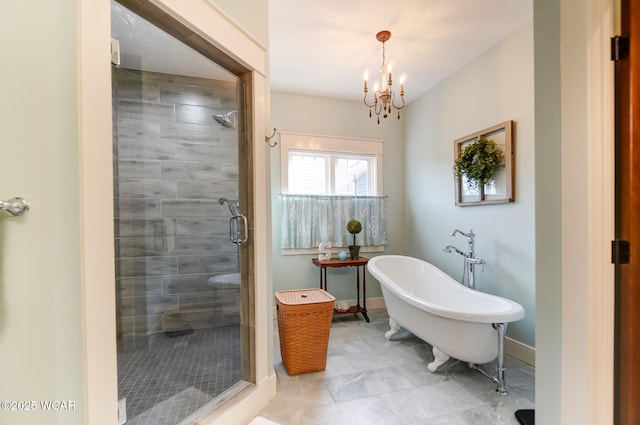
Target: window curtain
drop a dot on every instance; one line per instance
(308, 220)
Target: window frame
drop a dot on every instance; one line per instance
(331, 145)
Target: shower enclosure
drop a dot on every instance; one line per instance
(180, 227)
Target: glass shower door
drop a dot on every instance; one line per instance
(179, 225)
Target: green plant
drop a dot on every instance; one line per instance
(479, 161)
(354, 227)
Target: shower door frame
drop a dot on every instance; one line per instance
(96, 225)
(187, 36)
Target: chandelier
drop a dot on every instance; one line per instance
(384, 99)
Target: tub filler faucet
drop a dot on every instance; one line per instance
(449, 248)
(470, 259)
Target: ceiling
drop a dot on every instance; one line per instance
(324, 47)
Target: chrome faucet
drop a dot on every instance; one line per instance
(233, 205)
(470, 260)
(468, 235)
(470, 240)
(448, 248)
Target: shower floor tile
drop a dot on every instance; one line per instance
(166, 377)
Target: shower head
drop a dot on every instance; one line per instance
(225, 120)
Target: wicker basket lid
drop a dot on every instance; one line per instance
(304, 296)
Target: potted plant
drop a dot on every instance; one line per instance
(354, 227)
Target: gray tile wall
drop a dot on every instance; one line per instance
(172, 162)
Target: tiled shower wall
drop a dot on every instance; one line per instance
(172, 162)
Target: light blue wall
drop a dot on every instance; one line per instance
(332, 117)
(495, 87)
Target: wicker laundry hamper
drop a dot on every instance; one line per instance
(304, 323)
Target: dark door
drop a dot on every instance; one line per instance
(627, 353)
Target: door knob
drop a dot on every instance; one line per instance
(15, 206)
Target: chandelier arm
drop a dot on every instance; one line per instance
(370, 105)
(393, 102)
(377, 108)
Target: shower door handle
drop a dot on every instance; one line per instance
(236, 223)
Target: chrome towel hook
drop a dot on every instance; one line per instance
(15, 206)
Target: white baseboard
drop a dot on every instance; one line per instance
(520, 351)
(372, 303)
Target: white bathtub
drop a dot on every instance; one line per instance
(439, 310)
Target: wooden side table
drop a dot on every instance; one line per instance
(337, 263)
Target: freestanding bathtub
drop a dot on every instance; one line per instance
(463, 323)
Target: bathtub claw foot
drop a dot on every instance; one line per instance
(440, 358)
(395, 328)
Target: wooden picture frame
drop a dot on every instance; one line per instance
(500, 189)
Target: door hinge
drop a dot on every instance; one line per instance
(619, 47)
(620, 251)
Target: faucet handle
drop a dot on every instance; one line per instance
(482, 263)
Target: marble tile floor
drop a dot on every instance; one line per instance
(371, 381)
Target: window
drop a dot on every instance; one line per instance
(322, 165)
(313, 173)
(326, 181)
